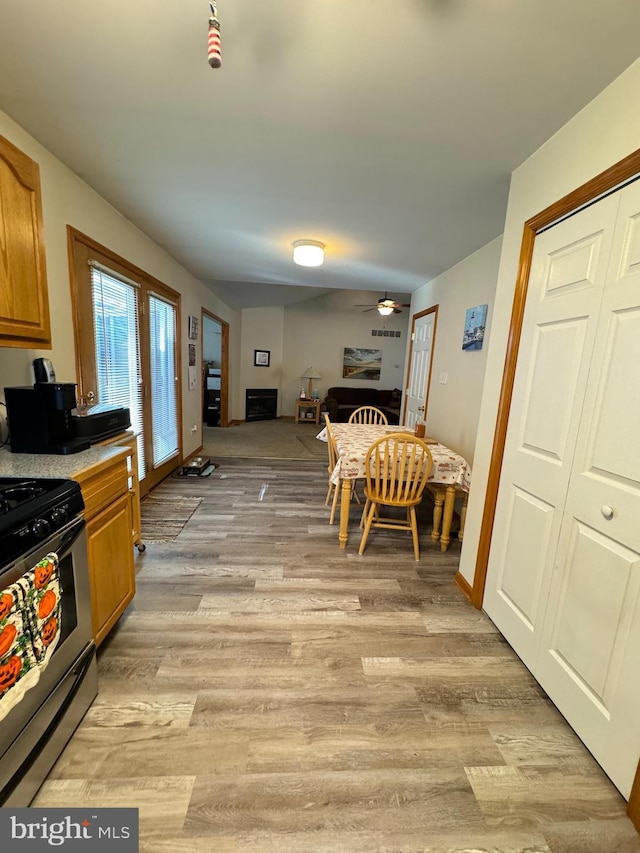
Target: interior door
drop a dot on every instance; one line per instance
(591, 637)
(563, 300)
(420, 358)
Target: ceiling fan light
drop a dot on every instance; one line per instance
(385, 310)
(308, 253)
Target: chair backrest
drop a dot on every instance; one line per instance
(397, 469)
(368, 415)
(331, 446)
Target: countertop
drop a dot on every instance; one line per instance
(54, 466)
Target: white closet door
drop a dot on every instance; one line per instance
(590, 664)
(564, 297)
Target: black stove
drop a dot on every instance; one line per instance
(31, 510)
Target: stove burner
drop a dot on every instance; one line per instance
(14, 496)
(31, 509)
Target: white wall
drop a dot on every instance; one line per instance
(316, 332)
(211, 341)
(67, 200)
(454, 408)
(604, 132)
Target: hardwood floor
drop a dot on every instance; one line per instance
(267, 692)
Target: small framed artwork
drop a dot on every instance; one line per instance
(193, 328)
(474, 324)
(261, 357)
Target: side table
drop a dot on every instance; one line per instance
(308, 405)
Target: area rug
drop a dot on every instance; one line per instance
(164, 517)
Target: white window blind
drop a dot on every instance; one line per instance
(162, 329)
(117, 349)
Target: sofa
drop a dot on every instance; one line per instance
(341, 402)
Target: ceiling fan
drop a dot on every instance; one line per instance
(385, 306)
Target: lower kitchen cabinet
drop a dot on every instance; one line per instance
(105, 490)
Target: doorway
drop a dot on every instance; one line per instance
(423, 333)
(215, 371)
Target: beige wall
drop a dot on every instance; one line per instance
(454, 407)
(262, 329)
(66, 199)
(317, 331)
(604, 132)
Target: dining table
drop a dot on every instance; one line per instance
(450, 475)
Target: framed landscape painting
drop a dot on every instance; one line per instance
(359, 363)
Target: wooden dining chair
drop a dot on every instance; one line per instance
(368, 415)
(333, 461)
(397, 469)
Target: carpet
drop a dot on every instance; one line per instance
(313, 445)
(275, 439)
(163, 518)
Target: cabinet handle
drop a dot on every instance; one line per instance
(607, 511)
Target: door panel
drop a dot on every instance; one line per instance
(525, 554)
(417, 391)
(564, 297)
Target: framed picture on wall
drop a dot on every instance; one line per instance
(193, 328)
(359, 363)
(261, 357)
(474, 324)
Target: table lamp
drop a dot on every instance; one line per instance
(310, 373)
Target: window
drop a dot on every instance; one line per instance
(117, 349)
(162, 334)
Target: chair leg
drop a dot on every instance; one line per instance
(334, 504)
(414, 531)
(363, 517)
(326, 503)
(367, 528)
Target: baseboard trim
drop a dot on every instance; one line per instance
(464, 585)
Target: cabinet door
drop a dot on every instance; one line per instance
(111, 568)
(24, 301)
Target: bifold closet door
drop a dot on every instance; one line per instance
(563, 583)
(563, 300)
(590, 661)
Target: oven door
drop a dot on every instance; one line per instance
(29, 726)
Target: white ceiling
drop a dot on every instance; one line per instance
(385, 130)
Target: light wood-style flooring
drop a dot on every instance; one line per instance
(268, 692)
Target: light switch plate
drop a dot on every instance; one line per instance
(443, 377)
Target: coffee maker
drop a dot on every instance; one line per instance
(40, 420)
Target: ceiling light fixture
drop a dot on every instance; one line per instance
(308, 253)
(385, 310)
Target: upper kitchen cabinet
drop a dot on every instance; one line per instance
(24, 301)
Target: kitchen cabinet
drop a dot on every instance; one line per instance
(105, 489)
(130, 441)
(24, 300)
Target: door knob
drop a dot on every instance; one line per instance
(421, 408)
(607, 511)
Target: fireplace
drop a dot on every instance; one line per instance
(261, 404)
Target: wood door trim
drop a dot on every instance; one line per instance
(79, 245)
(432, 310)
(633, 809)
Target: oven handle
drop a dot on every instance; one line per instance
(68, 535)
(61, 542)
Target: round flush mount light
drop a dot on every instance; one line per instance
(308, 253)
